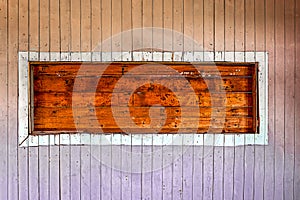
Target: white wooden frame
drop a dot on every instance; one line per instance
(141, 139)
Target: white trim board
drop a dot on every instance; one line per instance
(141, 139)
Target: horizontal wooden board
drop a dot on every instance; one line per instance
(199, 96)
(168, 99)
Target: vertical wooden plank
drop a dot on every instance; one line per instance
(269, 151)
(296, 176)
(178, 25)
(74, 162)
(197, 173)
(106, 172)
(208, 30)
(177, 157)
(198, 151)
(229, 153)
(126, 41)
(23, 25)
(198, 25)
(249, 150)
(137, 22)
(75, 25)
(65, 26)
(259, 154)
(44, 26)
(219, 35)
(137, 44)
(85, 151)
(95, 150)
(75, 172)
(157, 16)
(289, 151)
(85, 169)
(33, 46)
(65, 153)
(54, 151)
(4, 98)
(167, 175)
(147, 23)
(208, 43)
(116, 175)
(23, 46)
(157, 187)
(12, 155)
(95, 172)
(167, 23)
(96, 27)
(44, 36)
(85, 26)
(54, 26)
(187, 158)
(239, 45)
(136, 173)
(157, 172)
(279, 99)
(126, 174)
(126, 21)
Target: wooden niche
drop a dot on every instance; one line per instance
(77, 97)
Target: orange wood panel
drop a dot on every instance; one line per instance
(54, 96)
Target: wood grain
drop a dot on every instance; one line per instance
(230, 96)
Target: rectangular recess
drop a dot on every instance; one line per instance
(52, 97)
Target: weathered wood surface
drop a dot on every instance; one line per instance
(56, 98)
(260, 172)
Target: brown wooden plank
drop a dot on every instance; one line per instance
(71, 69)
(148, 99)
(143, 125)
(140, 112)
(107, 84)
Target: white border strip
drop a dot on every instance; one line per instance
(186, 139)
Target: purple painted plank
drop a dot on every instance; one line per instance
(33, 173)
(137, 177)
(177, 172)
(126, 175)
(269, 150)
(54, 173)
(85, 171)
(147, 175)
(95, 172)
(106, 173)
(65, 172)
(296, 177)
(239, 172)
(44, 172)
(228, 172)
(187, 172)
(75, 172)
(208, 172)
(157, 173)
(218, 173)
(13, 101)
(167, 173)
(258, 172)
(249, 172)
(290, 87)
(116, 173)
(4, 100)
(23, 174)
(198, 173)
(279, 100)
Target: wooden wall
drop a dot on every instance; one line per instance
(70, 172)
